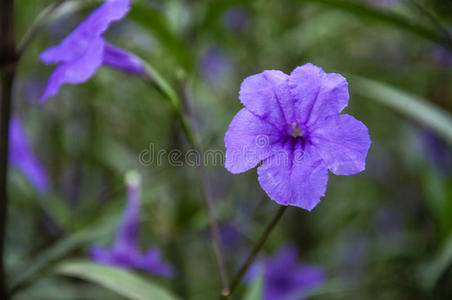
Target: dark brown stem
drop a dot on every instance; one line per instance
(248, 262)
(7, 53)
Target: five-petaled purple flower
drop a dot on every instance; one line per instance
(125, 252)
(284, 278)
(292, 124)
(84, 50)
(22, 157)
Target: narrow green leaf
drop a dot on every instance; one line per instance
(51, 255)
(123, 282)
(62, 248)
(411, 105)
(430, 273)
(254, 291)
(367, 12)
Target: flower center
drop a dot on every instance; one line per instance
(296, 130)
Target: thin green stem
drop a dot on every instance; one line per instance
(433, 19)
(40, 21)
(214, 231)
(7, 52)
(154, 78)
(252, 256)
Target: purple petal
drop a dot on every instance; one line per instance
(248, 140)
(343, 143)
(127, 236)
(76, 71)
(100, 255)
(87, 33)
(22, 157)
(123, 60)
(318, 94)
(152, 263)
(285, 278)
(309, 276)
(267, 95)
(295, 176)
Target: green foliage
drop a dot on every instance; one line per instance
(383, 234)
(122, 282)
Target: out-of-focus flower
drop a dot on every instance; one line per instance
(437, 152)
(125, 252)
(215, 65)
(21, 156)
(84, 50)
(443, 56)
(285, 278)
(236, 18)
(292, 124)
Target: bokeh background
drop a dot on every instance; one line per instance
(383, 234)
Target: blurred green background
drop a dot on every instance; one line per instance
(383, 234)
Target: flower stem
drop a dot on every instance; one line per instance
(214, 232)
(40, 21)
(433, 19)
(7, 53)
(155, 79)
(244, 268)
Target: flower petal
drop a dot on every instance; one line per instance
(76, 71)
(89, 31)
(343, 143)
(267, 95)
(318, 94)
(21, 156)
(298, 179)
(127, 234)
(122, 60)
(248, 140)
(153, 263)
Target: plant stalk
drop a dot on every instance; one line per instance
(252, 256)
(8, 55)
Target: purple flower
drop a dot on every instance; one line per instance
(236, 18)
(125, 252)
(84, 50)
(292, 124)
(285, 278)
(215, 66)
(21, 156)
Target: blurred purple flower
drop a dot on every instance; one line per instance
(215, 66)
(352, 254)
(285, 278)
(389, 223)
(292, 124)
(236, 18)
(436, 150)
(125, 252)
(21, 156)
(84, 50)
(443, 56)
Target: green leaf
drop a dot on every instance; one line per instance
(367, 12)
(411, 105)
(120, 281)
(62, 248)
(254, 291)
(430, 273)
